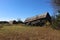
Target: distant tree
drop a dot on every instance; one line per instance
(14, 21)
(20, 21)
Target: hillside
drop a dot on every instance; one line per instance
(21, 32)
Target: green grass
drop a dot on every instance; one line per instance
(22, 32)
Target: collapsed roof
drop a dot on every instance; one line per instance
(36, 17)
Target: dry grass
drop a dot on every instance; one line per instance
(19, 32)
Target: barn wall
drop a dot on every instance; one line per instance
(48, 18)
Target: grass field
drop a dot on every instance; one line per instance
(21, 32)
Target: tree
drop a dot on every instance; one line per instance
(19, 21)
(56, 6)
(56, 23)
(14, 22)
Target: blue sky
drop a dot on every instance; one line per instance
(21, 9)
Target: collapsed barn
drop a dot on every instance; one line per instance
(39, 20)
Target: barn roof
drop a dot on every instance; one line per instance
(37, 17)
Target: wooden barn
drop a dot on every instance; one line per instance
(39, 20)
